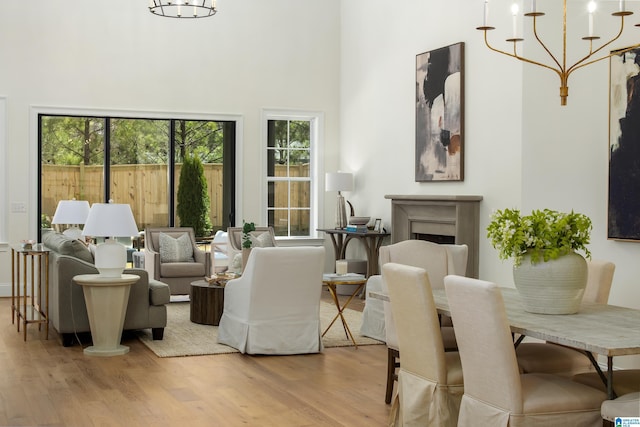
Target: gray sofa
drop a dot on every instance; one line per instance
(67, 310)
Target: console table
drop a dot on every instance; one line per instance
(35, 311)
(371, 240)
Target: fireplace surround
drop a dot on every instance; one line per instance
(440, 219)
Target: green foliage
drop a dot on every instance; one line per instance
(74, 140)
(193, 198)
(45, 221)
(545, 234)
(247, 228)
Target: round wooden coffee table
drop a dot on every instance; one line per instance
(207, 302)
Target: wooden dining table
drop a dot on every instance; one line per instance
(603, 329)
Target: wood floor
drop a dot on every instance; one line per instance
(43, 383)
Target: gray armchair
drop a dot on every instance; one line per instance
(179, 262)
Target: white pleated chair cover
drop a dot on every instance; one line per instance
(430, 380)
(496, 394)
(274, 307)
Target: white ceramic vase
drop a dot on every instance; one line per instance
(552, 287)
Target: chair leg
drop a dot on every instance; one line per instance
(393, 362)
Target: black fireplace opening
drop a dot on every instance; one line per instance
(435, 238)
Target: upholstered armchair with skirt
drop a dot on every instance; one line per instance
(274, 307)
(172, 257)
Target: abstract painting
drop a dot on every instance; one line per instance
(440, 114)
(624, 146)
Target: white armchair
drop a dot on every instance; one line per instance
(220, 251)
(274, 308)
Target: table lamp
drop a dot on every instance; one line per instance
(339, 181)
(73, 212)
(110, 220)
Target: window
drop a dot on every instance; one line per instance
(291, 173)
(136, 161)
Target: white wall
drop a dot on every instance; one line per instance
(377, 103)
(115, 55)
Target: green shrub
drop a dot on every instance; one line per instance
(193, 198)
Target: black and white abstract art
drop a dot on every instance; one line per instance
(440, 114)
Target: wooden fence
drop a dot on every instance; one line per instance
(144, 187)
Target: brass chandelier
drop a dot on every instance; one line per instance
(183, 8)
(559, 65)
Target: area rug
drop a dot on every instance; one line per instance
(185, 338)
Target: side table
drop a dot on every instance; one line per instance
(106, 299)
(36, 311)
(331, 281)
(207, 302)
(371, 240)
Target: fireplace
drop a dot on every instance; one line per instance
(440, 219)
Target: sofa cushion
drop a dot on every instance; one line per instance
(262, 240)
(182, 269)
(177, 249)
(65, 246)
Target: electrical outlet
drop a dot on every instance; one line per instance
(18, 207)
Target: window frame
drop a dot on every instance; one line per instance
(36, 111)
(4, 204)
(316, 166)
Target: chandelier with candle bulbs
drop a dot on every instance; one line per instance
(559, 65)
(183, 8)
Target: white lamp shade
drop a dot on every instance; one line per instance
(338, 181)
(71, 212)
(110, 220)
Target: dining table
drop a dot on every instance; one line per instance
(601, 329)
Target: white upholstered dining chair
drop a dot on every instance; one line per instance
(430, 380)
(556, 359)
(627, 405)
(496, 394)
(378, 320)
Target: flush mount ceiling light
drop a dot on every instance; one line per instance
(183, 8)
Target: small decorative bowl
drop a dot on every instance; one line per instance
(359, 220)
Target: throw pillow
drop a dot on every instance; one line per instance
(177, 249)
(262, 240)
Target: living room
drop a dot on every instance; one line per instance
(354, 61)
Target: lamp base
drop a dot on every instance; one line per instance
(341, 212)
(111, 258)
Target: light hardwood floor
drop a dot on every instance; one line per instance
(43, 383)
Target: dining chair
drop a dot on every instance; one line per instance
(429, 380)
(557, 359)
(625, 381)
(495, 392)
(627, 405)
(378, 320)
